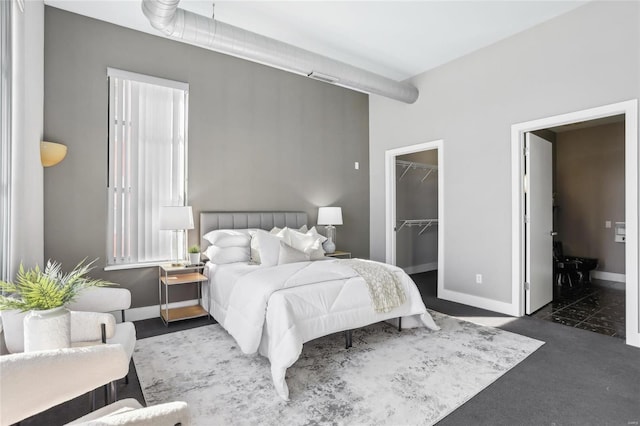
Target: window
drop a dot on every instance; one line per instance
(147, 164)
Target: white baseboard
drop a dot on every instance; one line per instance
(609, 276)
(478, 302)
(425, 267)
(147, 312)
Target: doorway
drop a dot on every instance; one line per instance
(405, 165)
(417, 211)
(521, 287)
(584, 205)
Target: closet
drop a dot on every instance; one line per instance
(417, 211)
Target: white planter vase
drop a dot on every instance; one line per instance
(47, 329)
(194, 258)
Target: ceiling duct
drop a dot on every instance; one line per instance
(164, 15)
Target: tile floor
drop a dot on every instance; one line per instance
(597, 307)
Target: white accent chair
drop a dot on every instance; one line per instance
(108, 300)
(102, 299)
(87, 329)
(94, 299)
(36, 381)
(131, 412)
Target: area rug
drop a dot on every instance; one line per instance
(416, 376)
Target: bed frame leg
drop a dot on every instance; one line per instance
(399, 323)
(348, 337)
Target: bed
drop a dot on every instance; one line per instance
(274, 310)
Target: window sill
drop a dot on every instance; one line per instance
(136, 265)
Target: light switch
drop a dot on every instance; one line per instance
(607, 224)
(621, 232)
(356, 165)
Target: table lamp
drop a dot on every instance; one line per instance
(176, 219)
(330, 216)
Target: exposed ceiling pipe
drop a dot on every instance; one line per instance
(164, 15)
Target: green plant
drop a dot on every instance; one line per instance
(46, 289)
(194, 249)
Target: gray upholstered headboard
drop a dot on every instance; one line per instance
(210, 221)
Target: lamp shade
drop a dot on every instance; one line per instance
(330, 216)
(175, 218)
(51, 153)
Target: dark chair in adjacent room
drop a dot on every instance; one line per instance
(571, 270)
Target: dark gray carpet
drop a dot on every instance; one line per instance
(577, 378)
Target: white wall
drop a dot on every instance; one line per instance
(27, 234)
(586, 58)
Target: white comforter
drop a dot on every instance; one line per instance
(274, 310)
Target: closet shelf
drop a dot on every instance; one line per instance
(409, 165)
(424, 223)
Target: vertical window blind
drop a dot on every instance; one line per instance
(147, 164)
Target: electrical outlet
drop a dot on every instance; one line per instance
(607, 224)
(478, 278)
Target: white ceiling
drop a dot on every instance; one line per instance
(397, 39)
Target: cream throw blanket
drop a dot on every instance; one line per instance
(385, 288)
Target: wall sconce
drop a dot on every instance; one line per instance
(51, 153)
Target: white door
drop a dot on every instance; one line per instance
(539, 223)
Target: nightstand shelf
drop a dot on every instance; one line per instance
(169, 276)
(183, 278)
(187, 312)
(339, 254)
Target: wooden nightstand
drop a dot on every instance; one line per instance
(339, 254)
(169, 276)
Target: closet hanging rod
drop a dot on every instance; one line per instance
(426, 176)
(424, 223)
(408, 165)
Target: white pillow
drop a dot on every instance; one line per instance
(300, 241)
(255, 242)
(309, 243)
(284, 234)
(290, 255)
(224, 255)
(276, 230)
(255, 250)
(315, 250)
(314, 231)
(228, 238)
(268, 247)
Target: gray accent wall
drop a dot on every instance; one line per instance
(589, 190)
(259, 139)
(583, 59)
